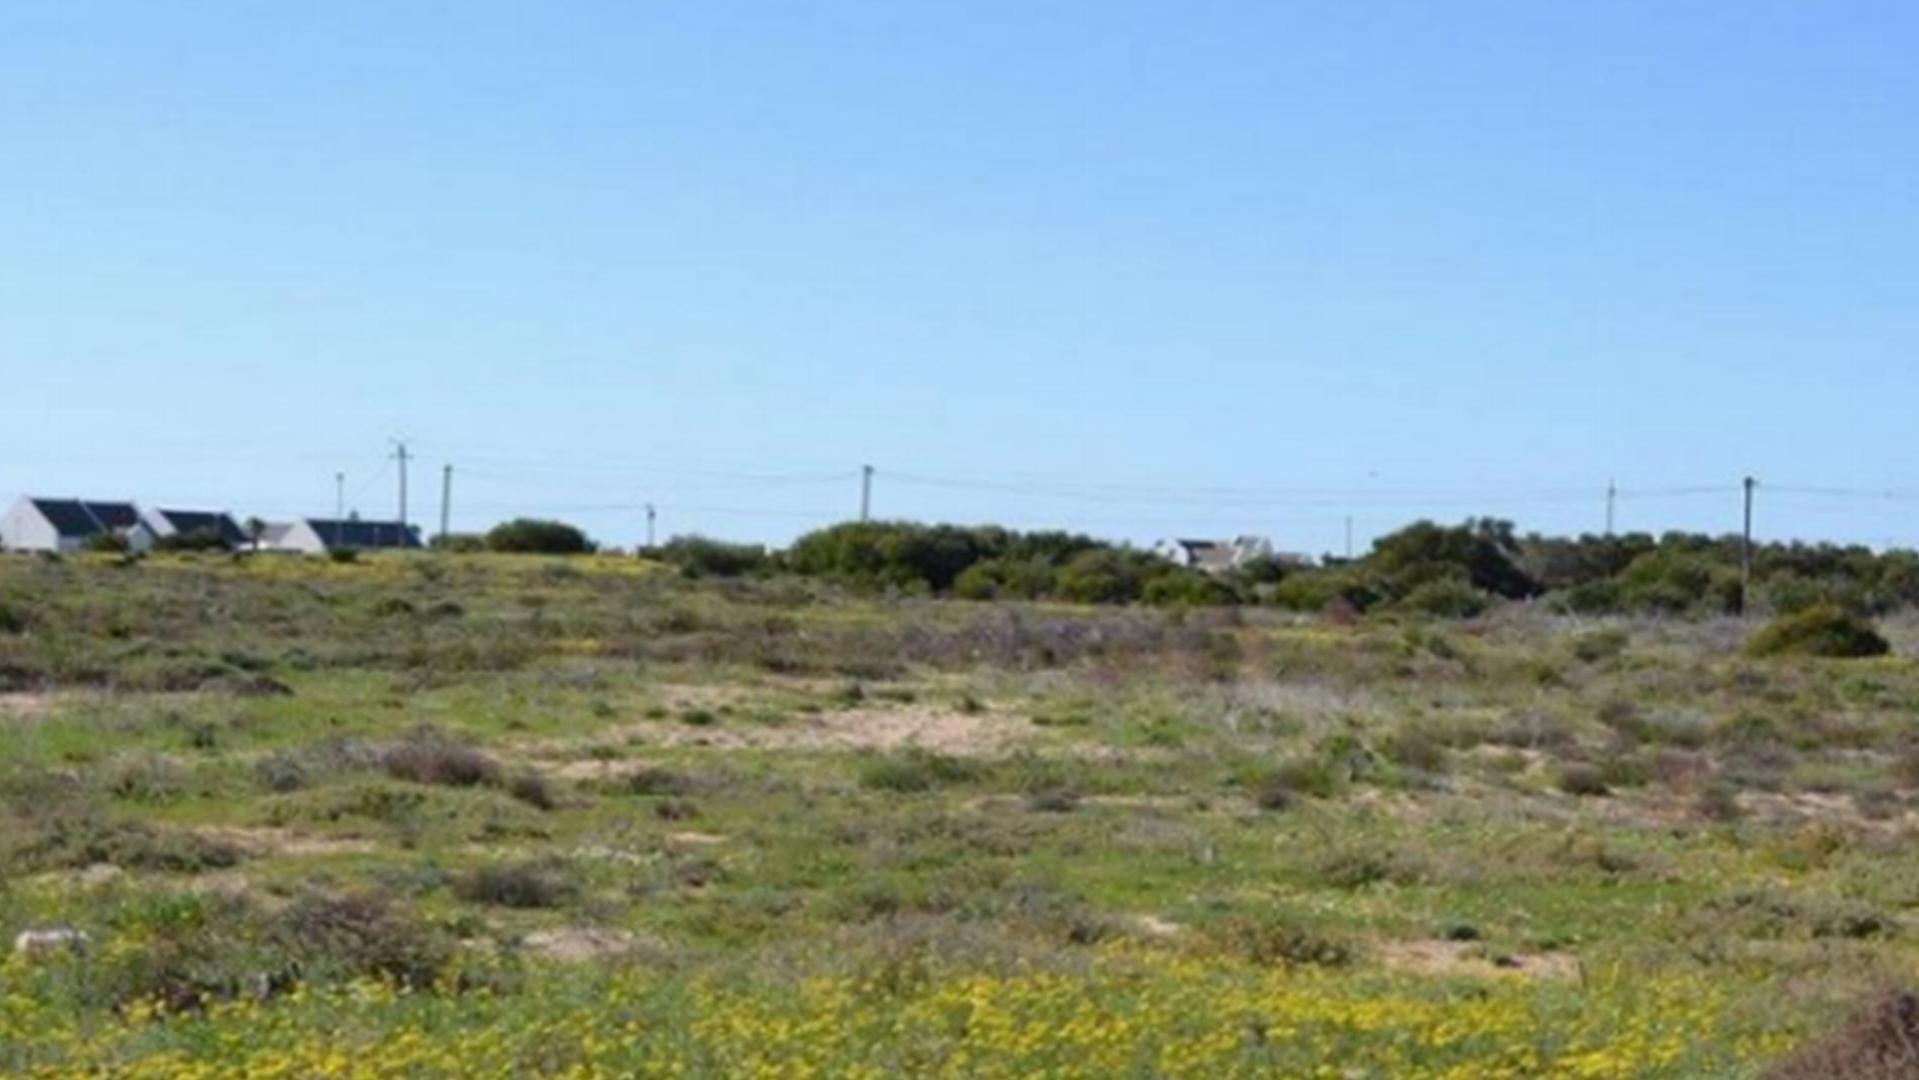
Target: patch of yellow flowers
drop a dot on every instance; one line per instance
(1130, 1013)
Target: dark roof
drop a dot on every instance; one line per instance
(196, 521)
(114, 515)
(353, 533)
(76, 517)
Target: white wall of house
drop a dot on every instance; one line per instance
(302, 538)
(23, 528)
(1174, 552)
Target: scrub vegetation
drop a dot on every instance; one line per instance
(1453, 810)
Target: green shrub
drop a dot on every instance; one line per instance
(361, 935)
(1581, 779)
(1274, 941)
(1675, 581)
(913, 771)
(1446, 598)
(1107, 576)
(655, 781)
(109, 543)
(1052, 800)
(202, 539)
(1189, 588)
(534, 790)
(533, 536)
(1482, 552)
(1007, 578)
(1358, 864)
(895, 553)
(700, 557)
(1822, 630)
(459, 543)
(1602, 597)
(1597, 645)
(1315, 590)
(430, 757)
(516, 885)
(1278, 787)
(78, 838)
(1415, 747)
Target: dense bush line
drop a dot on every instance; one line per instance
(1454, 571)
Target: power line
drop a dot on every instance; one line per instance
(1878, 495)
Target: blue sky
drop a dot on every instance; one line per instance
(1133, 268)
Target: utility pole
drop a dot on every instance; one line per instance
(1349, 538)
(1745, 551)
(1612, 499)
(446, 501)
(651, 513)
(866, 492)
(400, 455)
(339, 496)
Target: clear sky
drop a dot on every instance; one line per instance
(1195, 267)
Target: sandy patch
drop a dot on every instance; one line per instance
(695, 839)
(1154, 926)
(1452, 959)
(267, 842)
(25, 706)
(945, 731)
(579, 944)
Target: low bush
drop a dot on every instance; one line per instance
(536, 537)
(1447, 598)
(701, 557)
(914, 771)
(534, 790)
(1823, 631)
(361, 935)
(516, 885)
(1880, 1042)
(1357, 865)
(1417, 748)
(655, 781)
(1275, 941)
(1597, 645)
(1303, 777)
(431, 757)
(1581, 779)
(76, 838)
(1052, 800)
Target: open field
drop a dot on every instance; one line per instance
(473, 815)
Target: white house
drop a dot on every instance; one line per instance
(317, 536)
(64, 525)
(1215, 556)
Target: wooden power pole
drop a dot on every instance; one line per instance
(1745, 551)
